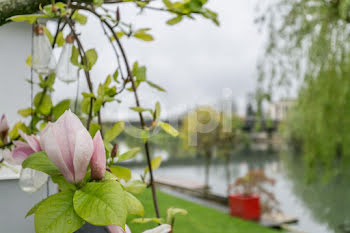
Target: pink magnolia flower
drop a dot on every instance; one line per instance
(22, 150)
(4, 128)
(68, 145)
(98, 159)
(165, 228)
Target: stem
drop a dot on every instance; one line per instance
(147, 150)
(130, 77)
(87, 73)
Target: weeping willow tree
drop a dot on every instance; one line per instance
(309, 44)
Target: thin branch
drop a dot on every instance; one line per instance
(130, 76)
(85, 63)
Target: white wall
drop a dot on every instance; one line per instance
(15, 46)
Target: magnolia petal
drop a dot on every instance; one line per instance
(98, 159)
(50, 146)
(84, 148)
(65, 134)
(21, 151)
(32, 141)
(115, 229)
(7, 155)
(165, 228)
(4, 126)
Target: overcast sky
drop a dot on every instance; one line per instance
(195, 61)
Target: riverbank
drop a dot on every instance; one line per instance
(200, 219)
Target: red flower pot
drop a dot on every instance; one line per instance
(246, 207)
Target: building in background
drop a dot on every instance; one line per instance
(278, 111)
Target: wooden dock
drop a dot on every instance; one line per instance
(200, 190)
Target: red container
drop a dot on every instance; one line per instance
(246, 207)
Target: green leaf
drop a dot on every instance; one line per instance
(43, 125)
(14, 132)
(82, 19)
(101, 204)
(48, 34)
(43, 103)
(121, 172)
(169, 129)
(56, 215)
(135, 186)
(29, 61)
(91, 56)
(41, 162)
(143, 35)
(97, 105)
(60, 39)
(63, 184)
(98, 2)
(85, 105)
(168, 3)
(115, 76)
(175, 211)
(60, 108)
(25, 112)
(34, 208)
(114, 131)
(29, 18)
(155, 164)
(129, 155)
(140, 110)
(75, 56)
(93, 129)
(147, 220)
(157, 112)
(133, 205)
(174, 20)
(119, 35)
(140, 74)
(152, 84)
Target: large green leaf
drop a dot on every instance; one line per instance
(39, 161)
(133, 205)
(56, 215)
(121, 172)
(34, 208)
(129, 155)
(101, 204)
(155, 164)
(114, 131)
(43, 103)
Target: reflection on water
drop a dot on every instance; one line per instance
(320, 208)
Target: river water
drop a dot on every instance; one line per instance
(320, 207)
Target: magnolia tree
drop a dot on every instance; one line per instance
(77, 153)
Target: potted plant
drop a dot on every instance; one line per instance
(248, 196)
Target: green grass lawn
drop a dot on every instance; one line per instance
(200, 219)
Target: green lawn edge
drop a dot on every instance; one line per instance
(200, 219)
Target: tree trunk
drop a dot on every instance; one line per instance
(207, 169)
(10, 8)
(227, 166)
